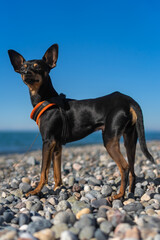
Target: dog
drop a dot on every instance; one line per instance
(61, 120)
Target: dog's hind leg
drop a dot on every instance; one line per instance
(115, 126)
(113, 148)
(130, 141)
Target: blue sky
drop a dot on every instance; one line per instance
(104, 46)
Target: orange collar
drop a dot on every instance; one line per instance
(39, 109)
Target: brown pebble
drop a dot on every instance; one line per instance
(77, 195)
(26, 180)
(133, 233)
(45, 234)
(82, 212)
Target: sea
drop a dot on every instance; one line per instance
(24, 141)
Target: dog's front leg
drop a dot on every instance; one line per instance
(57, 166)
(48, 148)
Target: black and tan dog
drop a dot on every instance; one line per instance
(63, 120)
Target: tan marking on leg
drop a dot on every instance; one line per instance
(134, 116)
(57, 167)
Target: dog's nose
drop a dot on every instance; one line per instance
(27, 71)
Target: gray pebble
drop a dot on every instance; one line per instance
(117, 203)
(25, 187)
(45, 190)
(63, 205)
(74, 230)
(99, 235)
(87, 232)
(106, 190)
(85, 220)
(89, 196)
(26, 235)
(157, 196)
(10, 199)
(8, 216)
(61, 217)
(96, 194)
(2, 209)
(150, 174)
(78, 205)
(139, 192)
(59, 228)
(135, 206)
(14, 184)
(3, 200)
(38, 225)
(71, 181)
(31, 161)
(15, 220)
(67, 235)
(23, 219)
(63, 196)
(36, 207)
(106, 227)
(1, 220)
(101, 213)
(48, 215)
(157, 237)
(93, 181)
(99, 202)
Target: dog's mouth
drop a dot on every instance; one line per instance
(30, 81)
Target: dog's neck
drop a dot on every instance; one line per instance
(45, 92)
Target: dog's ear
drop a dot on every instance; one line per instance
(16, 59)
(51, 56)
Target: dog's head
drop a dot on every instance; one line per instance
(33, 72)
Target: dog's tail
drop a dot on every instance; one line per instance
(141, 132)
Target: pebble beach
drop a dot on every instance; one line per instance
(79, 209)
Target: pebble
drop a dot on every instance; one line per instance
(145, 197)
(99, 235)
(99, 202)
(31, 160)
(2, 209)
(117, 203)
(135, 206)
(63, 205)
(26, 236)
(82, 212)
(79, 209)
(106, 227)
(23, 219)
(26, 180)
(106, 190)
(157, 197)
(8, 216)
(59, 228)
(38, 225)
(139, 192)
(87, 188)
(93, 181)
(25, 187)
(87, 232)
(61, 217)
(36, 207)
(67, 235)
(45, 234)
(79, 205)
